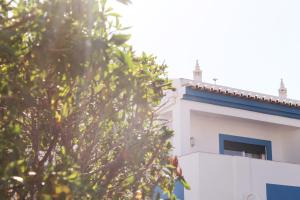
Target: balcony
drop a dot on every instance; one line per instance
(223, 177)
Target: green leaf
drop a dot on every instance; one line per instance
(126, 2)
(65, 110)
(17, 128)
(129, 180)
(119, 39)
(184, 183)
(62, 189)
(46, 197)
(173, 197)
(114, 14)
(170, 166)
(98, 87)
(74, 175)
(63, 150)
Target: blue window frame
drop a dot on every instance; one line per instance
(231, 138)
(282, 192)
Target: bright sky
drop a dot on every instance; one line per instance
(246, 44)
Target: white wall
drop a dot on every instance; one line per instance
(222, 177)
(291, 146)
(190, 166)
(205, 127)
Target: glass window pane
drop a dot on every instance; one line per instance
(244, 149)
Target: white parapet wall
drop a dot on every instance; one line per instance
(222, 177)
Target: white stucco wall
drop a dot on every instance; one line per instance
(216, 177)
(190, 166)
(189, 120)
(206, 129)
(291, 146)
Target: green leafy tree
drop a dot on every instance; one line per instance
(77, 106)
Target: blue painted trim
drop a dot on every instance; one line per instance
(282, 192)
(241, 103)
(266, 143)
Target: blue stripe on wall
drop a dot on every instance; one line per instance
(232, 138)
(241, 103)
(282, 192)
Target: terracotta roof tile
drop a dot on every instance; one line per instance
(244, 94)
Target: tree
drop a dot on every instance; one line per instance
(77, 106)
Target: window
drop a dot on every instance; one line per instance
(243, 149)
(247, 147)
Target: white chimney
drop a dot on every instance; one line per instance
(197, 73)
(282, 92)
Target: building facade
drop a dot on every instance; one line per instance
(234, 144)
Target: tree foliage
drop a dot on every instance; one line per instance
(77, 105)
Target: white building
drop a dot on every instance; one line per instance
(234, 144)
